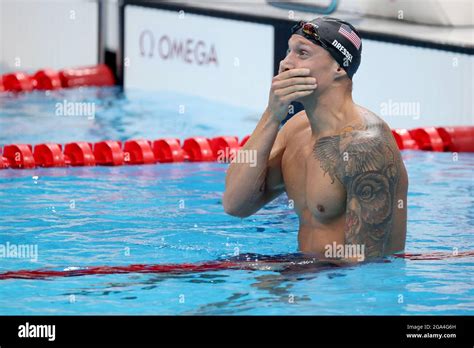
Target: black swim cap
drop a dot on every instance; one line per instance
(338, 37)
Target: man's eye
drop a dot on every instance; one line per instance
(303, 52)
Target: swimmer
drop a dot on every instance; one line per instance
(337, 161)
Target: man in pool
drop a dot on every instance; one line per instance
(337, 161)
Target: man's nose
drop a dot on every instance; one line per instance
(286, 64)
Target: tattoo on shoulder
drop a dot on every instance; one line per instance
(362, 159)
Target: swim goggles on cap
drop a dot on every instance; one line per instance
(309, 29)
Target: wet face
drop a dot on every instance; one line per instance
(303, 53)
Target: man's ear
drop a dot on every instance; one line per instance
(339, 72)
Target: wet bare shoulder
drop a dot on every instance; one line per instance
(363, 158)
(296, 123)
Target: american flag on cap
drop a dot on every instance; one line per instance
(348, 33)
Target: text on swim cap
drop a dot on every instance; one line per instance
(343, 50)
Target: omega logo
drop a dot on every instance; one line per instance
(187, 50)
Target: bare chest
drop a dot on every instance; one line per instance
(311, 189)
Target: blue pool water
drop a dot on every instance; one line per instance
(172, 213)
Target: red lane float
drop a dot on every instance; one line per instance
(457, 139)
(435, 255)
(4, 162)
(168, 150)
(101, 270)
(49, 155)
(79, 154)
(404, 140)
(99, 75)
(19, 156)
(18, 82)
(224, 148)
(138, 152)
(42, 274)
(47, 79)
(109, 153)
(428, 139)
(198, 149)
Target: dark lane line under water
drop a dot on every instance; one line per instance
(288, 263)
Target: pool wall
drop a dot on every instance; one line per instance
(409, 82)
(42, 34)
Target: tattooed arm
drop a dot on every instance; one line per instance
(365, 162)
